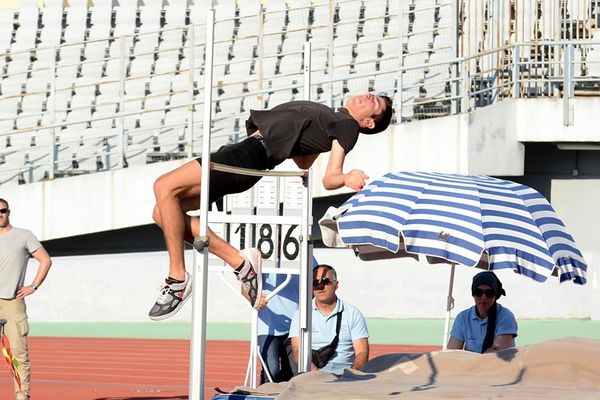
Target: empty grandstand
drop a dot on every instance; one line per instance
(93, 86)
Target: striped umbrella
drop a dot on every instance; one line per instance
(477, 221)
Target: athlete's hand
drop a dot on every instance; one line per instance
(355, 179)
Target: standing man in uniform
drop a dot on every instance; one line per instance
(16, 246)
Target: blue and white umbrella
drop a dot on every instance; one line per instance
(476, 221)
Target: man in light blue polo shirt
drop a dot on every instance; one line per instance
(487, 326)
(352, 350)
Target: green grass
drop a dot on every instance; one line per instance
(382, 331)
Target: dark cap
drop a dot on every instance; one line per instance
(384, 121)
(490, 279)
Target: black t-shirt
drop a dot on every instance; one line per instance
(300, 128)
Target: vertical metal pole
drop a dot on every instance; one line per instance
(463, 86)
(52, 111)
(567, 64)
(123, 139)
(254, 348)
(330, 52)
(449, 307)
(198, 356)
(304, 357)
(190, 130)
(516, 76)
(307, 69)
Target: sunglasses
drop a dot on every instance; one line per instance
(323, 282)
(4, 210)
(489, 293)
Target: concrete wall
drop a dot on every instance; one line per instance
(122, 288)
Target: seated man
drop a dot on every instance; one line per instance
(351, 349)
(487, 326)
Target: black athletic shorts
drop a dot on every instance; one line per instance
(249, 153)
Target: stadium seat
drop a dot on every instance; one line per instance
(291, 64)
(274, 17)
(367, 54)
(26, 31)
(175, 15)
(7, 16)
(76, 21)
(150, 18)
(167, 62)
(248, 18)
(52, 24)
(298, 15)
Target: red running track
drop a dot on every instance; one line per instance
(124, 369)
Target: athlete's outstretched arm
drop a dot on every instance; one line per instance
(334, 175)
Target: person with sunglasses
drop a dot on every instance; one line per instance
(296, 130)
(16, 247)
(338, 328)
(487, 326)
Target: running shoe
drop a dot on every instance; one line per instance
(171, 298)
(251, 277)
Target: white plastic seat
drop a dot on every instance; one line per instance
(167, 63)
(141, 66)
(148, 43)
(13, 85)
(7, 16)
(291, 64)
(150, 19)
(38, 82)
(21, 63)
(357, 85)
(52, 22)
(385, 83)
(125, 19)
(110, 88)
(135, 88)
(248, 18)
(26, 32)
(171, 39)
(274, 17)
(160, 85)
(113, 68)
(293, 42)
(279, 97)
(105, 107)
(366, 57)
(131, 106)
(70, 54)
(298, 14)
(95, 50)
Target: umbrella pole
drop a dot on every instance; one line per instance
(449, 307)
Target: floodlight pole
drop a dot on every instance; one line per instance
(200, 276)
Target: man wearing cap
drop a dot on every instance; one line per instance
(16, 247)
(487, 326)
(297, 130)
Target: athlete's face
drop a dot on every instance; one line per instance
(366, 108)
